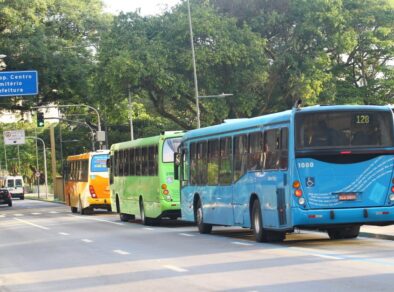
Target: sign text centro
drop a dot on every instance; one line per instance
(15, 83)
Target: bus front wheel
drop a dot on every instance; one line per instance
(203, 228)
(344, 232)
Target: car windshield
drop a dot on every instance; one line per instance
(18, 182)
(99, 163)
(169, 147)
(10, 183)
(345, 129)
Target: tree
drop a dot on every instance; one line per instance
(152, 55)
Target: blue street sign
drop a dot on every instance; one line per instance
(15, 83)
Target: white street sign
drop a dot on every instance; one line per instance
(16, 137)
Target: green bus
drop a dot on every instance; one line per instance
(142, 178)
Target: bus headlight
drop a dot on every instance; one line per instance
(391, 197)
(301, 201)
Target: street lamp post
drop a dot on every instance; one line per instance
(131, 116)
(194, 66)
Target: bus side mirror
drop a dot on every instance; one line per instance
(177, 163)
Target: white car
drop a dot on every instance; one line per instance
(15, 186)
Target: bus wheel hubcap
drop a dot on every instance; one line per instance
(199, 216)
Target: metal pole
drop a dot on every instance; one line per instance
(131, 117)
(53, 159)
(19, 161)
(37, 167)
(5, 157)
(45, 162)
(194, 66)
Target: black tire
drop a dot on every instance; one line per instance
(124, 217)
(10, 204)
(22, 197)
(344, 232)
(203, 228)
(74, 210)
(80, 209)
(261, 234)
(146, 220)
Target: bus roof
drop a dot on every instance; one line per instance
(284, 116)
(146, 141)
(86, 155)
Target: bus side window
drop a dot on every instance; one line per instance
(184, 168)
(225, 166)
(132, 161)
(271, 149)
(240, 156)
(202, 167)
(213, 162)
(284, 148)
(193, 164)
(255, 151)
(138, 161)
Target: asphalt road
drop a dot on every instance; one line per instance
(43, 247)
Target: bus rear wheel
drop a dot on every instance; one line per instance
(261, 234)
(74, 209)
(203, 228)
(344, 232)
(146, 220)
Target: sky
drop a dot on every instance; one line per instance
(148, 7)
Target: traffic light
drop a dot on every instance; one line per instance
(40, 119)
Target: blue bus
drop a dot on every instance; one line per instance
(321, 167)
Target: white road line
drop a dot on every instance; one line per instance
(64, 233)
(316, 253)
(32, 224)
(36, 213)
(87, 240)
(148, 228)
(176, 269)
(186, 234)
(2, 216)
(54, 212)
(18, 215)
(242, 243)
(97, 219)
(121, 252)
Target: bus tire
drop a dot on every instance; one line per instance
(261, 234)
(344, 232)
(146, 220)
(81, 210)
(203, 228)
(74, 210)
(124, 217)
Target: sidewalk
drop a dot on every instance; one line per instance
(43, 197)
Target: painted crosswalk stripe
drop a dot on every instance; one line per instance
(36, 213)
(18, 215)
(176, 269)
(87, 240)
(121, 252)
(2, 216)
(53, 212)
(64, 233)
(32, 224)
(148, 228)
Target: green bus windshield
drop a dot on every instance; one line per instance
(170, 146)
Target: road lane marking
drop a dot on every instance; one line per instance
(176, 269)
(54, 212)
(36, 213)
(2, 216)
(87, 240)
(97, 219)
(148, 228)
(242, 243)
(186, 234)
(316, 252)
(18, 215)
(64, 233)
(121, 252)
(32, 224)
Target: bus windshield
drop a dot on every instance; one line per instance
(169, 147)
(344, 129)
(99, 163)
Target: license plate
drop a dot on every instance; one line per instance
(347, 197)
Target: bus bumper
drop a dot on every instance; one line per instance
(100, 203)
(328, 217)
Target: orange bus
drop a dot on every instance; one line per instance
(87, 182)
